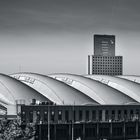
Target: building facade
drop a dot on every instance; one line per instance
(82, 113)
(104, 45)
(104, 61)
(105, 65)
(90, 122)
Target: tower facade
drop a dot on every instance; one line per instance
(104, 61)
(104, 45)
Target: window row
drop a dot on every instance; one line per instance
(80, 115)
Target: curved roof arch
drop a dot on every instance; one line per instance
(102, 93)
(133, 78)
(127, 87)
(56, 91)
(12, 90)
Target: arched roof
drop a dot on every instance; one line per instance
(12, 90)
(56, 91)
(102, 93)
(127, 87)
(134, 78)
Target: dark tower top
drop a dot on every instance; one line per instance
(104, 45)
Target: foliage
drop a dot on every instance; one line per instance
(12, 130)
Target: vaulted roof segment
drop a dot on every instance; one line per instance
(101, 93)
(56, 91)
(127, 87)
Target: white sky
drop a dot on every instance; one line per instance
(52, 36)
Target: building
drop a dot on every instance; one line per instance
(3, 111)
(81, 90)
(112, 122)
(66, 89)
(105, 65)
(13, 93)
(66, 105)
(104, 45)
(104, 61)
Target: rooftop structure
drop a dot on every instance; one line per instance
(103, 61)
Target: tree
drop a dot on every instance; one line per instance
(12, 130)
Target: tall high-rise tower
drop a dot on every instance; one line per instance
(104, 61)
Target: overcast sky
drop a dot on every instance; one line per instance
(52, 36)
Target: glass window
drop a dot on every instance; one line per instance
(106, 115)
(137, 113)
(119, 114)
(113, 115)
(100, 115)
(52, 115)
(80, 115)
(66, 115)
(30, 116)
(94, 115)
(87, 115)
(59, 115)
(45, 116)
(131, 114)
(125, 114)
(23, 117)
(38, 116)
